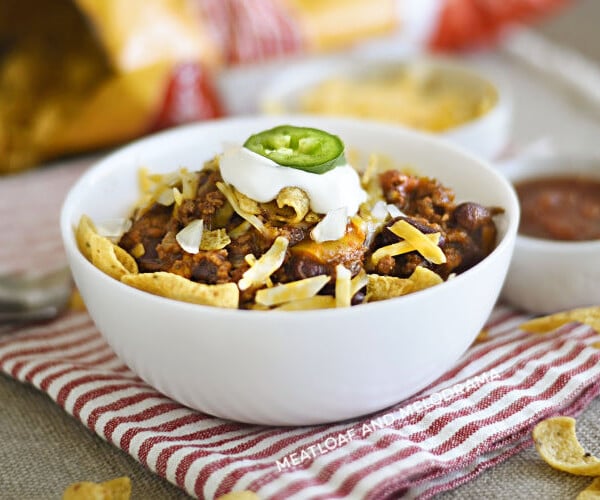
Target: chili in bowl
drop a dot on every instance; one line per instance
(556, 264)
(284, 367)
(467, 106)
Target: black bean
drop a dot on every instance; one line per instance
(471, 216)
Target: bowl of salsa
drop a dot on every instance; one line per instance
(556, 264)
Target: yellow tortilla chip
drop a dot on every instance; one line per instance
(423, 278)
(245, 203)
(83, 233)
(588, 315)
(296, 199)
(419, 241)
(483, 336)
(386, 287)
(76, 302)
(556, 442)
(295, 290)
(592, 492)
(240, 495)
(176, 287)
(189, 184)
(102, 252)
(110, 258)
(214, 240)
(116, 489)
(229, 193)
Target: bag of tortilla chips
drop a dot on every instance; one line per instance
(78, 75)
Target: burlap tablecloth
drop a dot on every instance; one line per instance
(43, 449)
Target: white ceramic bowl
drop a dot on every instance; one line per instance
(486, 136)
(546, 276)
(289, 367)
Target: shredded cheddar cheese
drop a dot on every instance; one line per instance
(419, 241)
(264, 267)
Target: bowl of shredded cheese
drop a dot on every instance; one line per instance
(437, 96)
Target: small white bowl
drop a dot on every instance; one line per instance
(288, 368)
(547, 276)
(486, 136)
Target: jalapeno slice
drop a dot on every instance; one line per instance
(304, 148)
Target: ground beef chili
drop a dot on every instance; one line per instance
(467, 235)
(467, 231)
(560, 208)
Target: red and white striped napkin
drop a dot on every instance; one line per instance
(477, 414)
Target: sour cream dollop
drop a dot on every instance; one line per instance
(261, 179)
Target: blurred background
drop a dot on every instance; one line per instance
(84, 75)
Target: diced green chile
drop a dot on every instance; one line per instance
(304, 148)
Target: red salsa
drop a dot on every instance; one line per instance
(560, 208)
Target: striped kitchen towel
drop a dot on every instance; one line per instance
(479, 413)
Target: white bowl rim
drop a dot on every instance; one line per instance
(94, 170)
(579, 162)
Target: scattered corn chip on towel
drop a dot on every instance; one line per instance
(476, 415)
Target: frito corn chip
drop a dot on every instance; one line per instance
(316, 302)
(423, 278)
(266, 265)
(419, 241)
(176, 287)
(400, 248)
(75, 301)
(296, 199)
(83, 233)
(239, 495)
(233, 201)
(592, 492)
(116, 489)
(247, 204)
(588, 315)
(483, 336)
(386, 287)
(85, 490)
(214, 240)
(102, 252)
(556, 442)
(295, 290)
(111, 258)
(189, 184)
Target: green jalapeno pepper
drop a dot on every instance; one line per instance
(304, 148)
